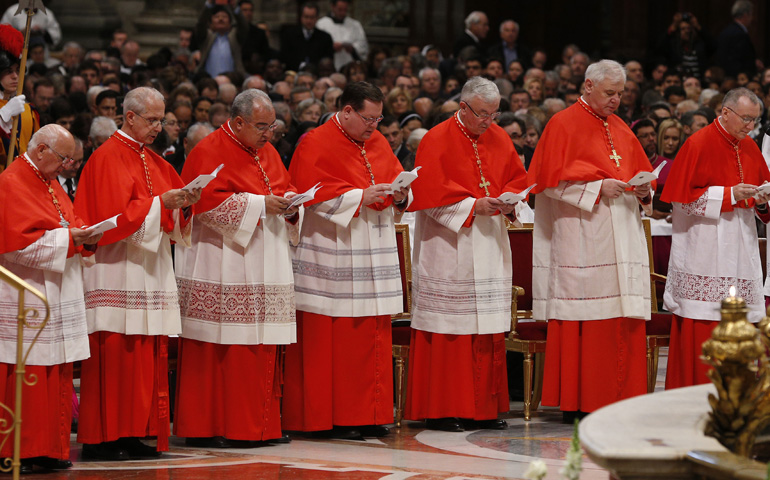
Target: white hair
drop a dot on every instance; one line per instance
(246, 101)
(515, 24)
(415, 138)
(479, 87)
(597, 72)
(48, 134)
(102, 128)
(199, 127)
(137, 99)
(706, 95)
(92, 93)
(732, 97)
(473, 18)
(429, 69)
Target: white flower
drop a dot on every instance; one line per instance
(536, 471)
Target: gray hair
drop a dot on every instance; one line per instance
(473, 18)
(479, 87)
(102, 128)
(732, 97)
(253, 78)
(136, 100)
(48, 134)
(741, 8)
(515, 24)
(429, 69)
(548, 103)
(92, 93)
(307, 103)
(246, 101)
(199, 127)
(415, 138)
(706, 95)
(530, 121)
(504, 86)
(72, 45)
(602, 69)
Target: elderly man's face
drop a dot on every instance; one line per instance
(519, 101)
(360, 125)
(481, 28)
(698, 122)
(71, 169)
(630, 94)
(431, 83)
(578, 65)
(49, 156)
(508, 32)
(146, 127)
(220, 22)
(734, 117)
(43, 97)
(70, 57)
(129, 54)
(604, 97)
(634, 72)
(477, 114)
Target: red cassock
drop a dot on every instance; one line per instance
(124, 384)
(339, 372)
(230, 390)
(707, 159)
(26, 213)
(589, 363)
(460, 375)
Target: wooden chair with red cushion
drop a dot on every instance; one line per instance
(527, 338)
(402, 332)
(658, 329)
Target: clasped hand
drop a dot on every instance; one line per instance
(377, 194)
(80, 237)
(275, 205)
(489, 206)
(744, 191)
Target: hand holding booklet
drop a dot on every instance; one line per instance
(301, 198)
(404, 179)
(511, 198)
(646, 177)
(764, 189)
(102, 226)
(202, 180)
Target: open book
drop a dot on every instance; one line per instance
(511, 198)
(103, 226)
(404, 179)
(646, 177)
(301, 198)
(764, 189)
(202, 180)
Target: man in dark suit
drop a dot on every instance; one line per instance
(305, 44)
(735, 52)
(476, 29)
(508, 49)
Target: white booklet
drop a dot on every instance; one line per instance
(404, 179)
(301, 198)
(511, 198)
(103, 226)
(646, 177)
(202, 180)
(765, 189)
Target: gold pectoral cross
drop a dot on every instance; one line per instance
(616, 157)
(484, 184)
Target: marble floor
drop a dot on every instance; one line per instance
(409, 452)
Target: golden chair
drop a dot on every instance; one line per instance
(526, 338)
(402, 332)
(658, 329)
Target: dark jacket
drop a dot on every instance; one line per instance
(295, 49)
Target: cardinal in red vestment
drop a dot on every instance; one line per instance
(713, 188)
(590, 264)
(42, 242)
(131, 294)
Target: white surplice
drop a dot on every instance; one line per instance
(711, 251)
(45, 266)
(590, 259)
(132, 289)
(461, 279)
(235, 283)
(346, 265)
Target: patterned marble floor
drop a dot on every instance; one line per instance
(409, 452)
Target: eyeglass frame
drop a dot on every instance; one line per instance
(743, 119)
(486, 116)
(64, 160)
(372, 120)
(270, 127)
(153, 123)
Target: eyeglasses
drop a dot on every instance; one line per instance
(153, 123)
(485, 116)
(745, 120)
(372, 120)
(64, 160)
(263, 128)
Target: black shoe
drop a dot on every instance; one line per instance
(208, 442)
(137, 449)
(494, 424)
(285, 438)
(26, 467)
(569, 417)
(51, 463)
(341, 433)
(446, 424)
(105, 451)
(376, 431)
